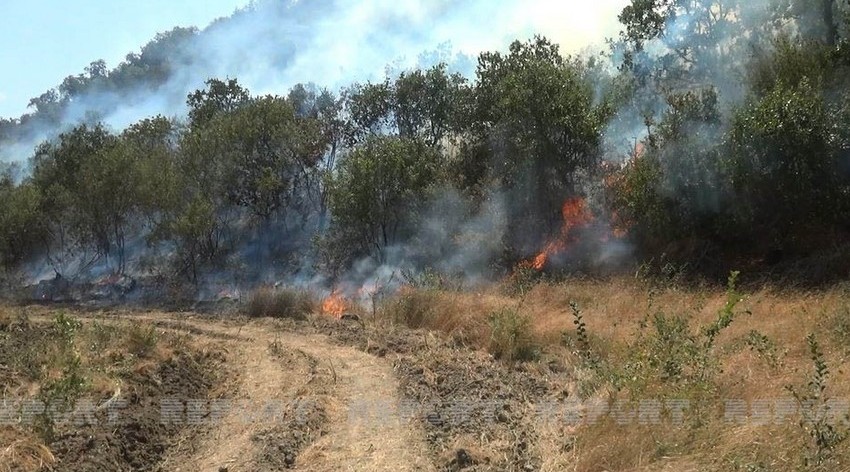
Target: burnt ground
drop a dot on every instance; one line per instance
(140, 439)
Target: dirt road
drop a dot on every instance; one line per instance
(276, 367)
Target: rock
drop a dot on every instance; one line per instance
(434, 418)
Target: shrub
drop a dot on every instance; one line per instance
(141, 339)
(826, 430)
(510, 336)
(66, 327)
(672, 356)
(413, 308)
(280, 303)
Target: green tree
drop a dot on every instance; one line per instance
(220, 96)
(376, 191)
(536, 113)
(79, 177)
(22, 227)
(784, 166)
(423, 105)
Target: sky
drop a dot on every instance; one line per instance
(43, 41)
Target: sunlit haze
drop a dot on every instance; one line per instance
(47, 40)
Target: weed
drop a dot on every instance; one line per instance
(101, 336)
(66, 327)
(141, 339)
(841, 326)
(824, 430)
(275, 347)
(522, 280)
(673, 358)
(581, 330)
(413, 308)
(59, 396)
(510, 336)
(765, 347)
(280, 303)
(432, 279)
(21, 452)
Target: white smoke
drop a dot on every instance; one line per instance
(275, 44)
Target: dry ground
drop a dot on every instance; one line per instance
(427, 353)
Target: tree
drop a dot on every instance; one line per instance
(784, 167)
(535, 112)
(220, 96)
(89, 181)
(153, 143)
(376, 191)
(672, 188)
(422, 105)
(22, 227)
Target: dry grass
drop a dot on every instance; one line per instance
(51, 356)
(280, 303)
(22, 452)
(757, 357)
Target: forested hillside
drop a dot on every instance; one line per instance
(709, 135)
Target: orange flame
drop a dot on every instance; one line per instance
(334, 305)
(575, 214)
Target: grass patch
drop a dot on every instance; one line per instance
(511, 338)
(142, 339)
(280, 303)
(23, 452)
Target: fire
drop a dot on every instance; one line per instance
(334, 305)
(575, 214)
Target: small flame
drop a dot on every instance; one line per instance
(575, 214)
(334, 305)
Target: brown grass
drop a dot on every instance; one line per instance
(280, 303)
(758, 356)
(22, 452)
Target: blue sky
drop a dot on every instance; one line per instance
(43, 41)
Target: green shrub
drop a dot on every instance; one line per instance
(672, 356)
(280, 303)
(511, 338)
(825, 431)
(66, 327)
(142, 339)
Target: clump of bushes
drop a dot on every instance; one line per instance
(511, 336)
(280, 303)
(413, 308)
(142, 339)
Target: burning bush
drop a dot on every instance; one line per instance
(280, 303)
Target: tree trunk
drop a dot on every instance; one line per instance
(829, 23)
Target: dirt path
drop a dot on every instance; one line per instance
(364, 430)
(371, 434)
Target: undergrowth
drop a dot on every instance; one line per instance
(280, 303)
(823, 421)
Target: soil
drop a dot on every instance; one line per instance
(334, 396)
(478, 413)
